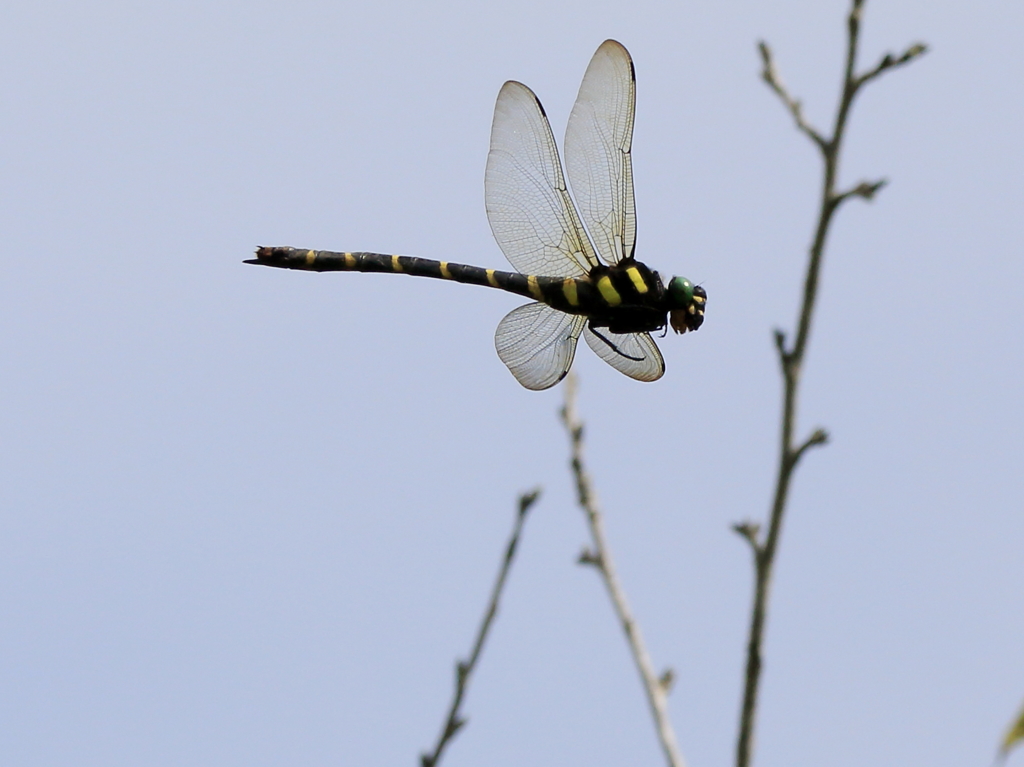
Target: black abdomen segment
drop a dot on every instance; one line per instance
(573, 295)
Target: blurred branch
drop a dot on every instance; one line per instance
(771, 76)
(1014, 735)
(464, 668)
(889, 61)
(599, 557)
(791, 358)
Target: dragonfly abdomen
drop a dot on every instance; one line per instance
(625, 298)
(572, 295)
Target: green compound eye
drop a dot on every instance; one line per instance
(680, 293)
(686, 305)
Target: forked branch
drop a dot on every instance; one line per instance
(791, 358)
(598, 556)
(464, 668)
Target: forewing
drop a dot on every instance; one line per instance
(537, 343)
(597, 151)
(635, 354)
(528, 206)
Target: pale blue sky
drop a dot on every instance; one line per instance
(250, 517)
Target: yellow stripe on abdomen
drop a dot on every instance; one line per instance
(396, 265)
(350, 261)
(638, 280)
(608, 292)
(535, 291)
(444, 270)
(569, 291)
(490, 278)
(310, 257)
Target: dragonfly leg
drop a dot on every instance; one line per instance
(613, 347)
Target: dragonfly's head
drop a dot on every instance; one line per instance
(686, 303)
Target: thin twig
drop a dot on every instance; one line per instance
(791, 358)
(889, 61)
(771, 76)
(464, 668)
(865, 189)
(600, 558)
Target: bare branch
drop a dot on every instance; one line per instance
(865, 189)
(600, 557)
(785, 355)
(464, 668)
(780, 343)
(791, 359)
(819, 437)
(771, 76)
(891, 62)
(749, 532)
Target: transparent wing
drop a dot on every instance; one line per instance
(634, 354)
(537, 343)
(597, 151)
(528, 206)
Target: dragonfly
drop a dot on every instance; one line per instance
(575, 260)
